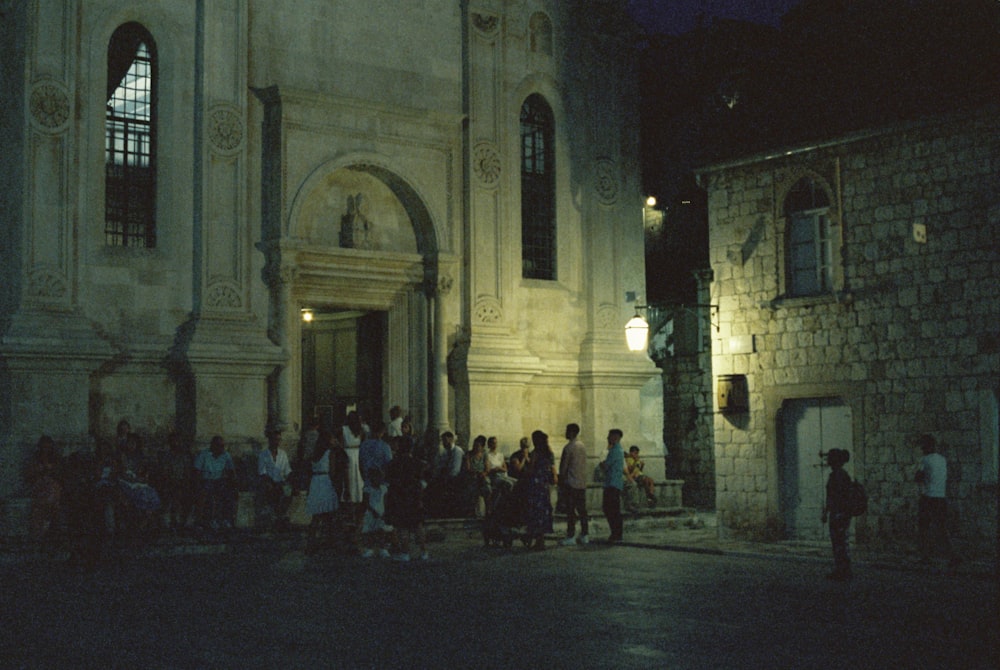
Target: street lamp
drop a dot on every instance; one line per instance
(637, 331)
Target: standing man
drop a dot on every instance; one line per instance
(837, 511)
(395, 426)
(273, 469)
(614, 481)
(932, 512)
(573, 480)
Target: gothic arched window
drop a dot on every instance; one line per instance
(538, 192)
(130, 139)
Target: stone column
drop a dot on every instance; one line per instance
(440, 354)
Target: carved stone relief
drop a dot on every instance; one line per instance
(223, 296)
(356, 230)
(49, 105)
(486, 163)
(606, 181)
(486, 24)
(46, 283)
(225, 128)
(489, 311)
(607, 317)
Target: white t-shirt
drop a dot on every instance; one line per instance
(935, 469)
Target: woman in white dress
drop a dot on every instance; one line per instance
(321, 502)
(354, 435)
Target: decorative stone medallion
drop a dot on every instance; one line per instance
(606, 181)
(486, 163)
(223, 296)
(49, 105)
(607, 318)
(489, 311)
(225, 129)
(44, 283)
(445, 284)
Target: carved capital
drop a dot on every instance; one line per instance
(486, 24)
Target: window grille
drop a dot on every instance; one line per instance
(130, 140)
(538, 223)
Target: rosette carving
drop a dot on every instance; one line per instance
(489, 311)
(606, 181)
(49, 105)
(486, 163)
(225, 129)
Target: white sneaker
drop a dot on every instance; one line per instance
(402, 558)
(568, 542)
(583, 539)
(384, 553)
(367, 553)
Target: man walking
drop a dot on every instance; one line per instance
(932, 512)
(614, 481)
(573, 480)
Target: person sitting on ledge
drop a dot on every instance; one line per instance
(634, 473)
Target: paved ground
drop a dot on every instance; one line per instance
(667, 598)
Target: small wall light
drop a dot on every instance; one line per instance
(307, 315)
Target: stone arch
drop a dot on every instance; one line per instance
(409, 199)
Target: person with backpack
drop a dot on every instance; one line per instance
(837, 511)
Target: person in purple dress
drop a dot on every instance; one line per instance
(541, 475)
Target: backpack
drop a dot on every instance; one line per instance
(857, 499)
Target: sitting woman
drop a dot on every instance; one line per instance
(476, 471)
(496, 468)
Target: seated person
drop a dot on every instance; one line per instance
(519, 459)
(216, 474)
(496, 467)
(634, 475)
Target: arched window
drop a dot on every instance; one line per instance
(130, 139)
(809, 243)
(538, 192)
(541, 34)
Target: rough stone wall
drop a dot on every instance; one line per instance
(688, 407)
(909, 339)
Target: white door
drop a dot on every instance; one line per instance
(809, 428)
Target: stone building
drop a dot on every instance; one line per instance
(447, 189)
(856, 283)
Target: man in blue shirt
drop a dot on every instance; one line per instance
(614, 481)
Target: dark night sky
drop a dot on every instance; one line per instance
(679, 16)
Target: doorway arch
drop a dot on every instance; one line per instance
(360, 241)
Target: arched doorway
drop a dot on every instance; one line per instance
(359, 259)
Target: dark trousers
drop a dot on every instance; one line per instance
(932, 522)
(576, 503)
(840, 522)
(612, 506)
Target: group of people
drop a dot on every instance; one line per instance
(932, 508)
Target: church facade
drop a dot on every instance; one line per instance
(223, 216)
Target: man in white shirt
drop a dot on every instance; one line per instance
(395, 426)
(573, 485)
(932, 512)
(273, 469)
